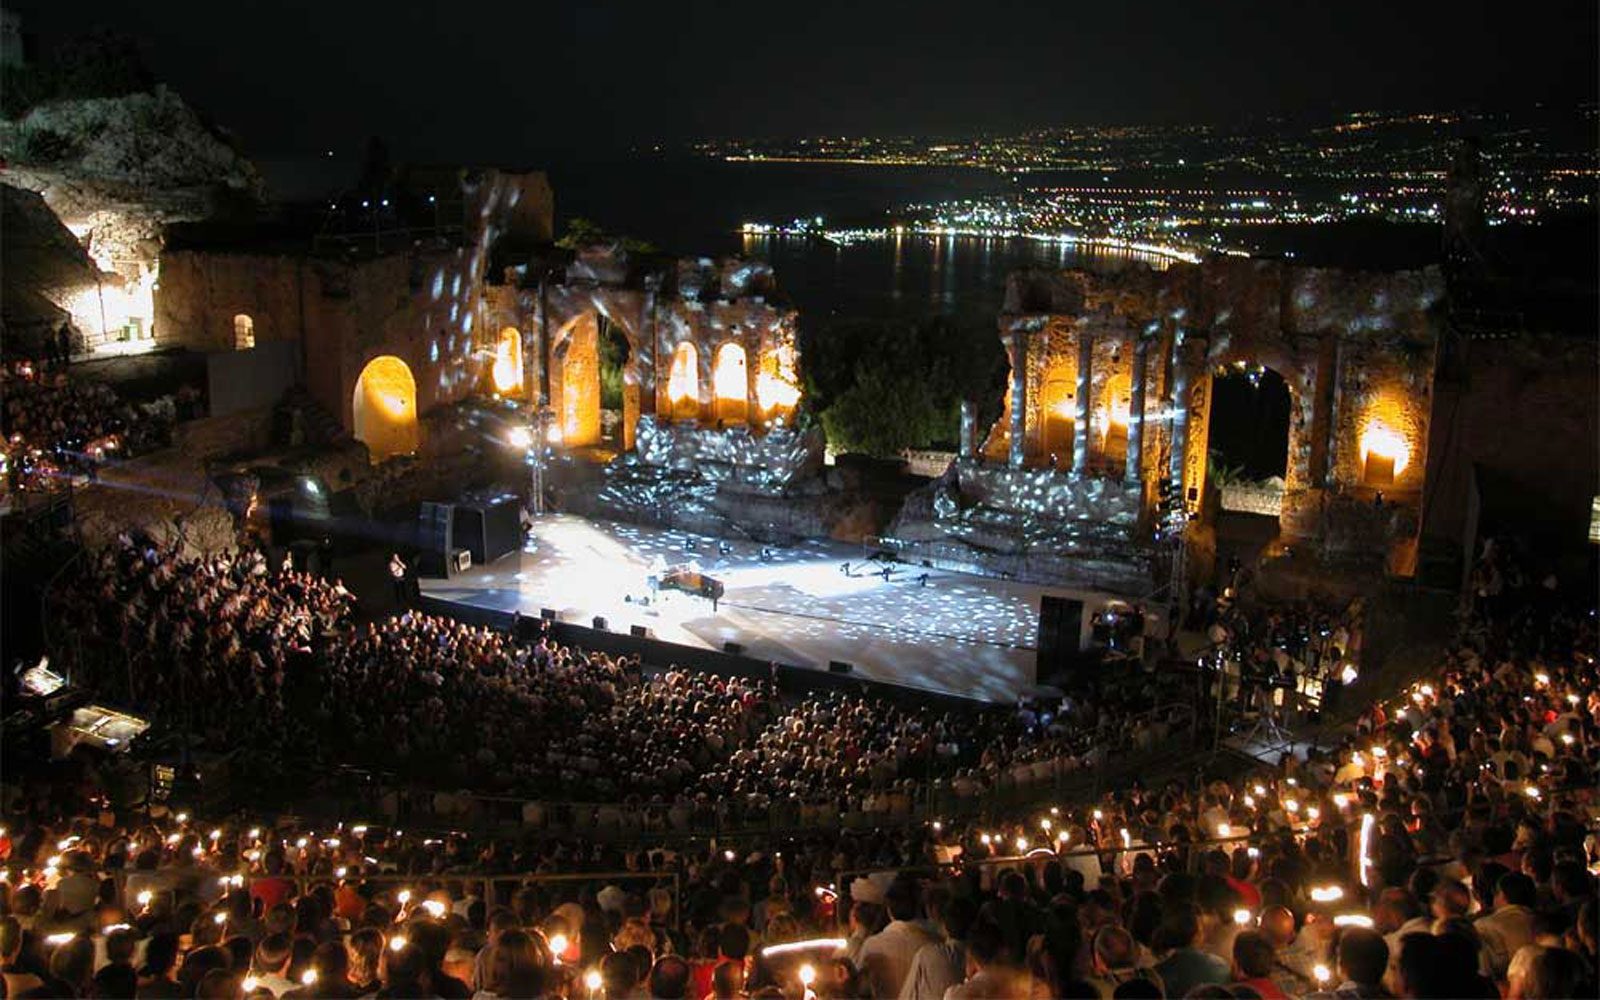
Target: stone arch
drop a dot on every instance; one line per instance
(506, 372)
(575, 381)
(730, 383)
(244, 332)
(683, 382)
(384, 408)
(777, 382)
(1057, 419)
(1113, 404)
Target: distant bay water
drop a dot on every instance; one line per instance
(696, 207)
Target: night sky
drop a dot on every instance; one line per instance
(499, 81)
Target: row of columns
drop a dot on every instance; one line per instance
(1017, 347)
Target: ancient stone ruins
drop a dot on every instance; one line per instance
(1110, 396)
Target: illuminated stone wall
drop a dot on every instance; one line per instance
(657, 305)
(442, 313)
(1357, 351)
(428, 308)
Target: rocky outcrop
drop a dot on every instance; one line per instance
(116, 171)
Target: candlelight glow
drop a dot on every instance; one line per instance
(836, 944)
(1368, 822)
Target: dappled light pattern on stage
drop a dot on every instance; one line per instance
(958, 635)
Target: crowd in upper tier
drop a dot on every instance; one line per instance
(1444, 846)
(453, 705)
(56, 426)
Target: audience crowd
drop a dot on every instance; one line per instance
(1442, 845)
(312, 688)
(56, 426)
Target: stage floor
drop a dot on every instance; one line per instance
(969, 636)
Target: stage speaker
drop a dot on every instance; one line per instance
(599, 623)
(839, 667)
(1060, 635)
(549, 614)
(735, 648)
(433, 527)
(526, 629)
(488, 531)
(639, 632)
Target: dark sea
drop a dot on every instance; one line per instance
(694, 207)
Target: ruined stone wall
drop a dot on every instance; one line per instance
(1519, 420)
(201, 293)
(1356, 349)
(422, 308)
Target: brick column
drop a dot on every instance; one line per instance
(1131, 468)
(1080, 403)
(1180, 410)
(1019, 397)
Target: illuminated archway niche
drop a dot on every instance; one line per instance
(683, 383)
(1056, 408)
(730, 380)
(507, 372)
(1113, 403)
(576, 367)
(777, 383)
(244, 332)
(385, 408)
(1388, 428)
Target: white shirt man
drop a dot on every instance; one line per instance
(886, 956)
